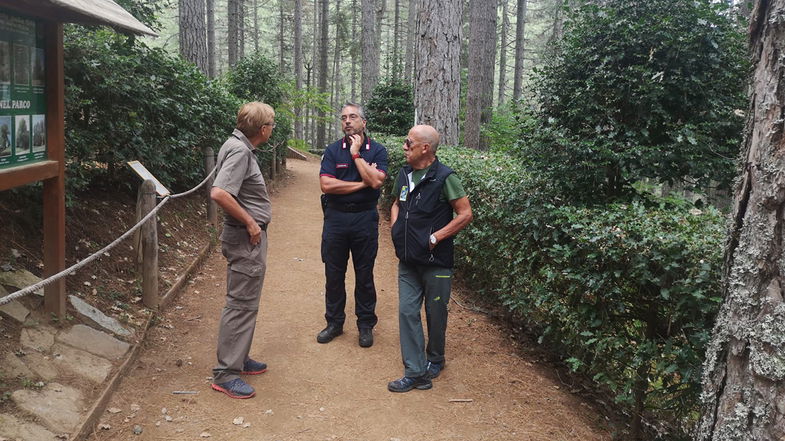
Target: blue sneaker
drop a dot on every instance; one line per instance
(405, 384)
(236, 388)
(434, 369)
(253, 367)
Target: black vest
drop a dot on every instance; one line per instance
(420, 215)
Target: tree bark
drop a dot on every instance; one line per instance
(354, 51)
(298, 65)
(437, 63)
(324, 27)
(396, 58)
(744, 373)
(520, 45)
(482, 59)
(211, 55)
(193, 33)
(241, 31)
(282, 48)
(503, 53)
(410, 29)
(339, 43)
(233, 31)
(370, 50)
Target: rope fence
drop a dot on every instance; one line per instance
(97, 255)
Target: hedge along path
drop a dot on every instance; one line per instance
(336, 391)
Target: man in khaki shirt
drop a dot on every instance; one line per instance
(239, 189)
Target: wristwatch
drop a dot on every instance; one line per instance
(433, 239)
(355, 156)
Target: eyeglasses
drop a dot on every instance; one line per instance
(351, 116)
(272, 125)
(408, 143)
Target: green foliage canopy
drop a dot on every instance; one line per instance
(127, 101)
(257, 78)
(640, 89)
(391, 108)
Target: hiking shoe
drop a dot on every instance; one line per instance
(329, 333)
(236, 388)
(434, 369)
(405, 384)
(253, 367)
(366, 337)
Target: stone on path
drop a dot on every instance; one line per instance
(41, 365)
(14, 428)
(99, 318)
(14, 309)
(20, 279)
(81, 363)
(40, 338)
(57, 406)
(13, 367)
(95, 342)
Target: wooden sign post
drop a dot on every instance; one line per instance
(31, 40)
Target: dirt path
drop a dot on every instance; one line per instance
(335, 391)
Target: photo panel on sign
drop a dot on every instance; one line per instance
(5, 63)
(37, 67)
(39, 133)
(21, 65)
(22, 134)
(5, 136)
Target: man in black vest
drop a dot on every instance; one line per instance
(353, 169)
(430, 209)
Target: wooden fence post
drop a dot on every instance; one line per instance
(149, 244)
(212, 208)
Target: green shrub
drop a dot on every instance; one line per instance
(391, 108)
(256, 78)
(126, 101)
(640, 90)
(624, 292)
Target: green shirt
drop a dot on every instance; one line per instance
(452, 189)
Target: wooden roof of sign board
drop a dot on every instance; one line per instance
(91, 12)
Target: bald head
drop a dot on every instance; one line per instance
(427, 134)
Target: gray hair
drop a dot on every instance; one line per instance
(360, 109)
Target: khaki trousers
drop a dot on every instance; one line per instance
(246, 265)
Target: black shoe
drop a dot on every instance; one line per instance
(329, 333)
(405, 384)
(434, 369)
(366, 337)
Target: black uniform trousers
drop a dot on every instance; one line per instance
(357, 233)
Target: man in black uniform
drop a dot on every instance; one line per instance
(353, 169)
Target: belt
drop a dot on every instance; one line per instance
(352, 207)
(262, 225)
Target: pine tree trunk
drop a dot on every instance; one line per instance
(744, 372)
(410, 29)
(282, 27)
(211, 55)
(437, 65)
(354, 51)
(298, 65)
(241, 31)
(324, 46)
(339, 43)
(520, 45)
(503, 53)
(193, 33)
(233, 31)
(396, 66)
(314, 72)
(370, 51)
(482, 59)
